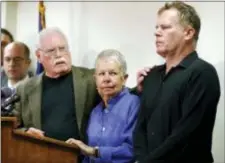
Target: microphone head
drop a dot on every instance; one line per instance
(15, 98)
(6, 92)
(9, 101)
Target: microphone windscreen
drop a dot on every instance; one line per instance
(6, 92)
(10, 100)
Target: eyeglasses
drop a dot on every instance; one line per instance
(16, 60)
(53, 51)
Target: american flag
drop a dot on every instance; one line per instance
(41, 25)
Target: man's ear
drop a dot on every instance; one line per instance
(38, 55)
(189, 33)
(29, 61)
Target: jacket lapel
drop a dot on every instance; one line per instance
(34, 100)
(34, 97)
(80, 89)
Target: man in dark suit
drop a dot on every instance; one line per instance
(179, 98)
(16, 62)
(57, 102)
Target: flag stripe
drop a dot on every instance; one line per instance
(41, 25)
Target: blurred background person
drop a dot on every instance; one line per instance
(16, 61)
(6, 38)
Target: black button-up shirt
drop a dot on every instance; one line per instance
(177, 113)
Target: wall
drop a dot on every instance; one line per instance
(128, 27)
(8, 16)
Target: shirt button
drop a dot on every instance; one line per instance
(103, 128)
(153, 133)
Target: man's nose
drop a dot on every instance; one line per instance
(157, 32)
(57, 52)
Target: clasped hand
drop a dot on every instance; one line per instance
(85, 149)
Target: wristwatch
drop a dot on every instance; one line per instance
(96, 152)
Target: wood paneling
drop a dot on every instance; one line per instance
(20, 147)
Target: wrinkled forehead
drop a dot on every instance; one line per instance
(52, 40)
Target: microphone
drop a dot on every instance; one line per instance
(10, 100)
(6, 92)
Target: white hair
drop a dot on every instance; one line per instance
(114, 55)
(49, 31)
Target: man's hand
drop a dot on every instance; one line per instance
(140, 78)
(35, 132)
(87, 150)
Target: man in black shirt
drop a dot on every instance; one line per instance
(179, 98)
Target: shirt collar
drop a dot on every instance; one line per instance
(187, 61)
(15, 85)
(116, 98)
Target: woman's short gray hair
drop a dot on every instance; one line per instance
(114, 55)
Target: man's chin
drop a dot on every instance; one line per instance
(160, 53)
(15, 78)
(63, 70)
